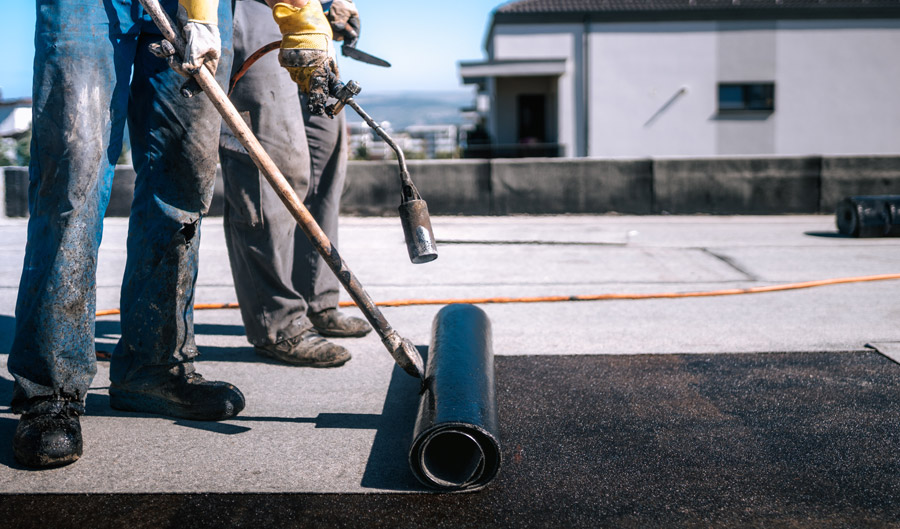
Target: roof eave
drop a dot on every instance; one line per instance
(696, 14)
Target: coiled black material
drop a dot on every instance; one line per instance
(871, 216)
(456, 444)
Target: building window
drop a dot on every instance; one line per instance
(746, 97)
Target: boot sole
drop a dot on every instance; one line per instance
(32, 461)
(144, 403)
(302, 363)
(339, 334)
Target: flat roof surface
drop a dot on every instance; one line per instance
(763, 409)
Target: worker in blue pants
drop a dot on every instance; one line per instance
(94, 69)
(85, 54)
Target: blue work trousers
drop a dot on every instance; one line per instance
(92, 72)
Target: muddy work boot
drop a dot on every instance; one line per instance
(336, 324)
(49, 433)
(308, 349)
(181, 393)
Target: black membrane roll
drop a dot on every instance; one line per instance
(456, 443)
(869, 216)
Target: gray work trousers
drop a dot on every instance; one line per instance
(278, 275)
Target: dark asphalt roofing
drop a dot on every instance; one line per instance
(729, 440)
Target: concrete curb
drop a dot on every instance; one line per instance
(768, 185)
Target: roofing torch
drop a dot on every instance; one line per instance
(414, 218)
(413, 210)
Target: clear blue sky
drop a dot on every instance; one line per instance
(422, 39)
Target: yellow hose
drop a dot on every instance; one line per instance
(596, 297)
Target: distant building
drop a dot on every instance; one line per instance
(366, 144)
(636, 78)
(15, 117)
(437, 140)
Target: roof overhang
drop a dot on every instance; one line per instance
(664, 13)
(478, 72)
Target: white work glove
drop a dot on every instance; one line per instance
(202, 44)
(344, 19)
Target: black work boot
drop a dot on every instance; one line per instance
(308, 349)
(49, 433)
(180, 393)
(334, 323)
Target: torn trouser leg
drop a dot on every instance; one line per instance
(82, 66)
(174, 142)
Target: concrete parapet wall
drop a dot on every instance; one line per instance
(451, 187)
(729, 186)
(845, 176)
(578, 185)
(542, 186)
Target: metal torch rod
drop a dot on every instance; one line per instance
(407, 187)
(402, 350)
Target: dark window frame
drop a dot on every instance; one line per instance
(746, 97)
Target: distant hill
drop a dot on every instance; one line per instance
(403, 109)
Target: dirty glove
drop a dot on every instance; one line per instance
(165, 50)
(306, 50)
(344, 20)
(202, 44)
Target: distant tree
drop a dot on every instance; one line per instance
(412, 155)
(361, 153)
(7, 151)
(447, 155)
(23, 149)
(123, 156)
(16, 151)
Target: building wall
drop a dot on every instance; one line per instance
(847, 99)
(746, 52)
(652, 87)
(545, 41)
(508, 89)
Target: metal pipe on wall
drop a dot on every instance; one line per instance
(456, 443)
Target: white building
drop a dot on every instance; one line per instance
(365, 140)
(15, 117)
(635, 78)
(437, 140)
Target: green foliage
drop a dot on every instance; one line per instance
(123, 156)
(7, 151)
(16, 151)
(447, 155)
(413, 155)
(361, 153)
(23, 149)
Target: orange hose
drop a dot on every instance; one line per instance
(595, 297)
(255, 56)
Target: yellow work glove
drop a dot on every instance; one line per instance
(306, 50)
(199, 21)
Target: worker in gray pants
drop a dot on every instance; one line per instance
(287, 294)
